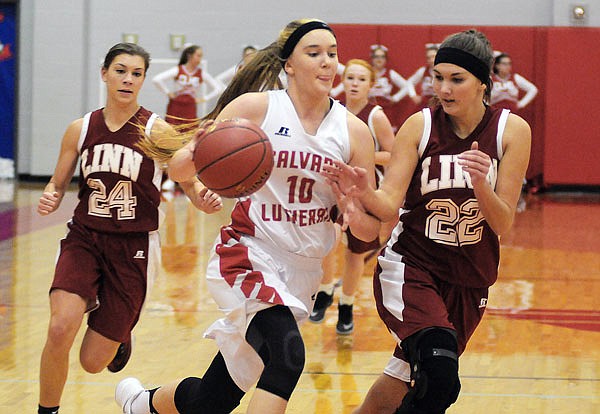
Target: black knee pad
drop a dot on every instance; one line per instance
(281, 348)
(434, 383)
(282, 372)
(215, 394)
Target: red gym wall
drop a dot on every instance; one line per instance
(560, 61)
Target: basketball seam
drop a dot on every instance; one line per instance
(235, 152)
(247, 175)
(263, 140)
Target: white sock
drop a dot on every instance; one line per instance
(346, 299)
(327, 288)
(141, 405)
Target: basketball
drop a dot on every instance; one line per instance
(234, 158)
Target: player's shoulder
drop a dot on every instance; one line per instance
(517, 124)
(516, 129)
(378, 113)
(417, 120)
(75, 126)
(250, 105)
(355, 124)
(72, 133)
(413, 128)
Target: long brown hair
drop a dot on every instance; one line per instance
(260, 74)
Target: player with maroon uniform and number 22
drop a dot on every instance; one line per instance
(456, 172)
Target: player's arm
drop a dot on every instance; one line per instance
(161, 79)
(384, 202)
(498, 205)
(390, 196)
(251, 106)
(65, 167)
(201, 197)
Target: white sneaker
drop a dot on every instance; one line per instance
(126, 393)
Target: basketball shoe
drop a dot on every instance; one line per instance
(345, 323)
(127, 391)
(121, 357)
(322, 302)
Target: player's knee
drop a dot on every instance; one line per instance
(61, 332)
(284, 366)
(90, 363)
(433, 357)
(193, 397)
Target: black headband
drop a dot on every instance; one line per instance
(465, 60)
(297, 34)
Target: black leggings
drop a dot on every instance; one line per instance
(274, 334)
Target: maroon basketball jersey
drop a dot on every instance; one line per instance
(118, 184)
(441, 230)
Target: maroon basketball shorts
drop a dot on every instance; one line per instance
(409, 300)
(111, 272)
(358, 246)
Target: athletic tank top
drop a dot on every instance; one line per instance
(293, 210)
(118, 184)
(441, 229)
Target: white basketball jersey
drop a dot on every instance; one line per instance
(293, 209)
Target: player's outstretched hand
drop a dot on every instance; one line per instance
(351, 181)
(208, 201)
(346, 204)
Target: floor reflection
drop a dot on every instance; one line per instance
(535, 351)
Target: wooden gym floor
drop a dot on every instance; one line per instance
(536, 351)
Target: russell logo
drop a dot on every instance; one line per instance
(283, 131)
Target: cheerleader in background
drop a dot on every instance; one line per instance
(422, 79)
(508, 86)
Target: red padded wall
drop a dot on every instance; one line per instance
(354, 40)
(572, 149)
(406, 54)
(558, 60)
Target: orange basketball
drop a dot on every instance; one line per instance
(234, 158)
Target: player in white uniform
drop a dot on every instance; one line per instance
(266, 265)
